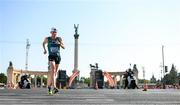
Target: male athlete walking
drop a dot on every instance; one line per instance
(53, 44)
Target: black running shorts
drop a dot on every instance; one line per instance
(55, 58)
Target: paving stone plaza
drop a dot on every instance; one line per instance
(90, 97)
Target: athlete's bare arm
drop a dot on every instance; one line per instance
(61, 43)
(44, 43)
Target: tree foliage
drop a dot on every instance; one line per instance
(153, 79)
(85, 80)
(3, 78)
(172, 77)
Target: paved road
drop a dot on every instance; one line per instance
(90, 97)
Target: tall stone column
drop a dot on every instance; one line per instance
(41, 81)
(115, 81)
(19, 77)
(120, 81)
(35, 81)
(14, 78)
(76, 36)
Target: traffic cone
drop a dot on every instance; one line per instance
(145, 86)
(96, 85)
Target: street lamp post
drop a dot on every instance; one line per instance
(143, 73)
(163, 60)
(27, 51)
(163, 67)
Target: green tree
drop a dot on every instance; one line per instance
(172, 77)
(141, 81)
(3, 78)
(179, 78)
(153, 79)
(85, 80)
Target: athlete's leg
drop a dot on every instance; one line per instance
(50, 77)
(57, 61)
(55, 89)
(56, 69)
(49, 82)
(50, 74)
(55, 74)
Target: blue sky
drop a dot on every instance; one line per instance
(113, 33)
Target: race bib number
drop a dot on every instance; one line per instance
(54, 49)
